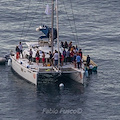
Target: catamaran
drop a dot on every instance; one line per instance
(35, 73)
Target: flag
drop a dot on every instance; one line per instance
(47, 10)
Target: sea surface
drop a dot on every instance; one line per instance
(94, 25)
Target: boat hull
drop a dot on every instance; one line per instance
(24, 72)
(78, 76)
(48, 77)
(31, 76)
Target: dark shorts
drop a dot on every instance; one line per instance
(30, 58)
(21, 51)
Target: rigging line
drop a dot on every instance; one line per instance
(68, 19)
(74, 21)
(25, 19)
(31, 22)
(33, 18)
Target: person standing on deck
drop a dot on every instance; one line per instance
(55, 57)
(43, 59)
(70, 45)
(74, 59)
(68, 56)
(37, 57)
(71, 56)
(64, 54)
(17, 52)
(62, 44)
(78, 59)
(21, 48)
(30, 56)
(76, 48)
(62, 59)
(88, 60)
(50, 58)
(65, 44)
(80, 53)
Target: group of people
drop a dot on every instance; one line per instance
(73, 54)
(37, 57)
(70, 53)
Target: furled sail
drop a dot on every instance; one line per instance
(47, 31)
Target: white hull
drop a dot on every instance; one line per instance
(36, 76)
(24, 72)
(77, 76)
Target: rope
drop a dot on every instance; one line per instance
(68, 19)
(32, 21)
(44, 2)
(25, 20)
(74, 21)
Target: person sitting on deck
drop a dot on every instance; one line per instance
(74, 50)
(90, 69)
(65, 44)
(62, 44)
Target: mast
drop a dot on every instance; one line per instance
(52, 34)
(52, 24)
(57, 34)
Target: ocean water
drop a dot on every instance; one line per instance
(91, 24)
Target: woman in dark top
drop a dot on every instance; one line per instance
(43, 59)
(51, 58)
(17, 52)
(37, 57)
(30, 56)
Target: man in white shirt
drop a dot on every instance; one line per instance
(56, 58)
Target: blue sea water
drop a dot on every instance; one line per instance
(91, 24)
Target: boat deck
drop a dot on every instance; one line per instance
(67, 68)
